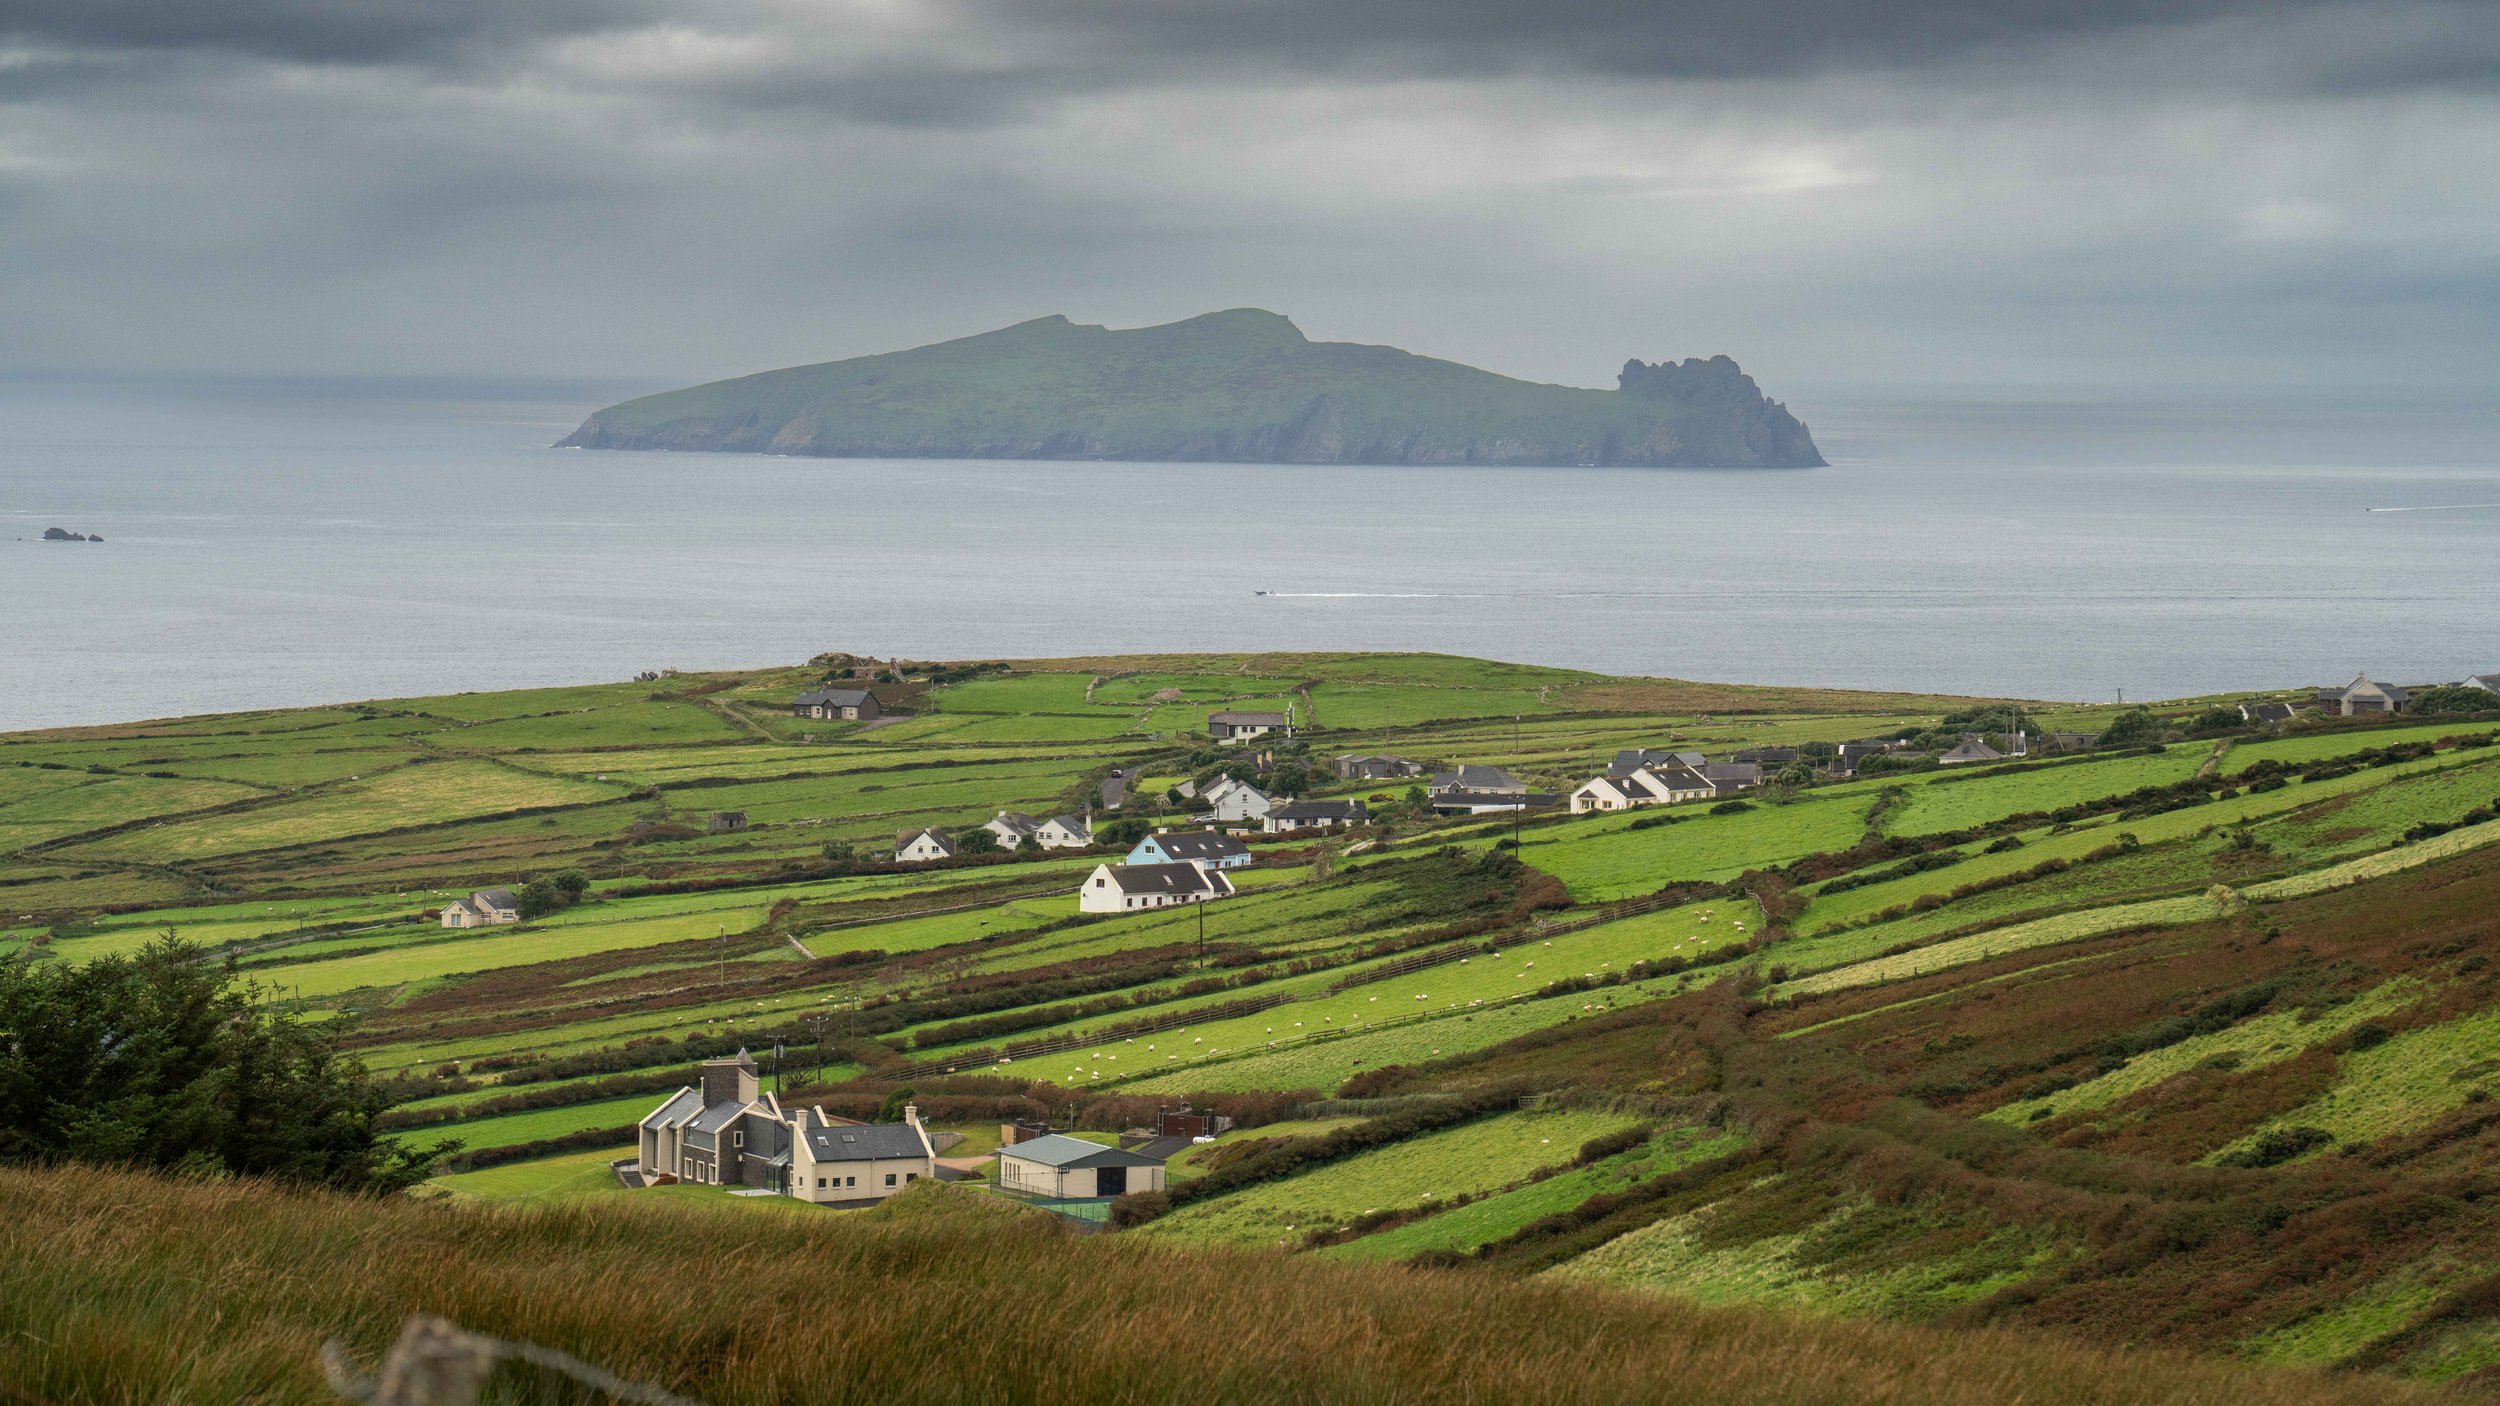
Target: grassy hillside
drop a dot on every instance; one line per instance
(2191, 1045)
(968, 1302)
(1238, 385)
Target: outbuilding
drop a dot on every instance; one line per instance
(1064, 1168)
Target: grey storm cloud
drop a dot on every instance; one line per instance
(2007, 188)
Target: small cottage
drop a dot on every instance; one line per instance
(724, 822)
(482, 909)
(1013, 827)
(1236, 800)
(1361, 768)
(1972, 748)
(1208, 849)
(923, 847)
(1236, 727)
(848, 705)
(1313, 815)
(1065, 832)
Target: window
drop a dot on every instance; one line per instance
(738, 1139)
(850, 1181)
(908, 1177)
(889, 1178)
(820, 1183)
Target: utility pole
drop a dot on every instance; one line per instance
(1202, 934)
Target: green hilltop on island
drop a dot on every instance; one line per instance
(1242, 386)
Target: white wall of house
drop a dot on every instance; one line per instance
(919, 850)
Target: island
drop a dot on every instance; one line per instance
(63, 534)
(1241, 386)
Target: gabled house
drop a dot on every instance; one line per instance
(1358, 768)
(836, 704)
(1233, 727)
(1765, 756)
(1011, 827)
(923, 847)
(1236, 800)
(1057, 1167)
(2488, 683)
(485, 908)
(1484, 780)
(1314, 815)
(1208, 849)
(1972, 748)
(725, 822)
(1668, 784)
(2263, 713)
(1127, 888)
(2364, 695)
(2086, 741)
(1065, 832)
(723, 1132)
(1633, 759)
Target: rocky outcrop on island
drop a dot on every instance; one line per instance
(1244, 386)
(63, 534)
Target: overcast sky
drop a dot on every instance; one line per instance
(1910, 191)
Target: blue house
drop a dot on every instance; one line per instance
(1208, 849)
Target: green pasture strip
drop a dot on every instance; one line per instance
(495, 948)
(2041, 932)
(1603, 858)
(1505, 1213)
(2409, 1082)
(524, 702)
(2256, 1042)
(628, 725)
(558, 1178)
(1369, 705)
(1136, 691)
(296, 769)
(2314, 747)
(1950, 802)
(1328, 1062)
(430, 794)
(2380, 865)
(511, 1129)
(1471, 1157)
(98, 801)
(1015, 693)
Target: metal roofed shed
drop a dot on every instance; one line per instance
(1060, 1168)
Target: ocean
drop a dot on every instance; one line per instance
(295, 543)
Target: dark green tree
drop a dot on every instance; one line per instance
(537, 899)
(977, 841)
(2453, 698)
(162, 1060)
(572, 884)
(2135, 727)
(891, 1111)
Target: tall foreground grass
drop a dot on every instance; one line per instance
(121, 1288)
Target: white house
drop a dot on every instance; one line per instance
(1128, 888)
(1062, 1168)
(1065, 832)
(1669, 784)
(1235, 727)
(1208, 849)
(1237, 800)
(483, 909)
(1011, 827)
(1313, 815)
(923, 846)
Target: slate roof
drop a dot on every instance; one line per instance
(1166, 879)
(1477, 778)
(1060, 1150)
(1077, 823)
(1318, 810)
(717, 1117)
(1633, 759)
(832, 698)
(687, 1102)
(1199, 844)
(1972, 749)
(945, 845)
(495, 898)
(1017, 821)
(864, 1142)
(1504, 800)
(1739, 773)
(2489, 682)
(1765, 756)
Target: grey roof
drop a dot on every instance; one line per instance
(2490, 682)
(1745, 773)
(717, 1117)
(944, 844)
(497, 897)
(1082, 825)
(1198, 844)
(1477, 778)
(862, 1142)
(1161, 878)
(1676, 776)
(1972, 749)
(1247, 719)
(682, 1105)
(1060, 1150)
(1017, 821)
(1765, 756)
(1504, 800)
(1633, 759)
(1318, 810)
(832, 698)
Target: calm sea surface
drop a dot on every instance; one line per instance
(299, 544)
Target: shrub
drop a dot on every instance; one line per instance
(2275, 1146)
